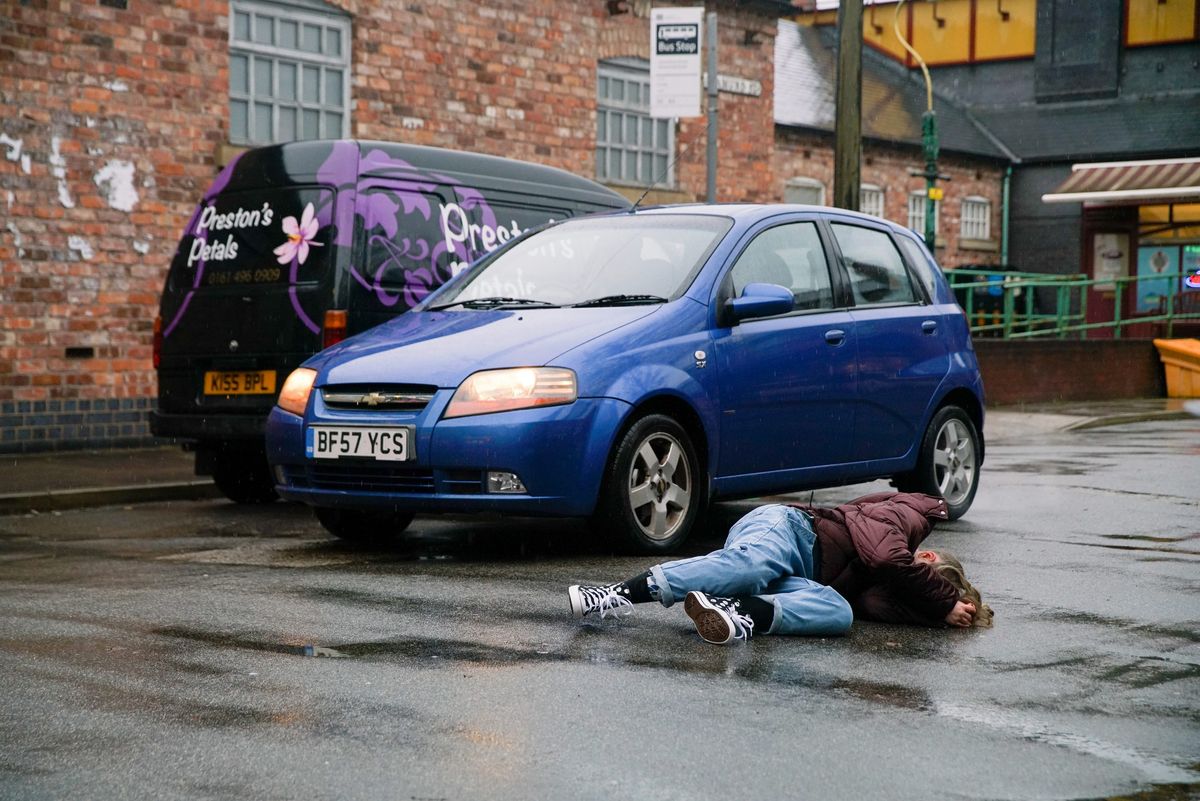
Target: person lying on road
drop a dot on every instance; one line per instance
(808, 570)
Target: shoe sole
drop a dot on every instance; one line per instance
(576, 601)
(711, 623)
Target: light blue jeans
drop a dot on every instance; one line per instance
(768, 554)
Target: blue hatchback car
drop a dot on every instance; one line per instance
(632, 367)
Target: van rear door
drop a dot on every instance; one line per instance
(244, 297)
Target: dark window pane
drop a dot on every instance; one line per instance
(241, 26)
(333, 87)
(312, 124)
(310, 39)
(289, 34)
(239, 126)
(239, 75)
(287, 81)
(311, 85)
(287, 124)
(264, 30)
(262, 122)
(333, 126)
(264, 86)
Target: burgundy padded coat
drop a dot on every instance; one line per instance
(866, 552)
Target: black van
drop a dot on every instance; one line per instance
(296, 246)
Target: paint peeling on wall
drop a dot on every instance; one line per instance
(58, 166)
(18, 240)
(13, 145)
(116, 86)
(142, 247)
(14, 152)
(81, 246)
(115, 179)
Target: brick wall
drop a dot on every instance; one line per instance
(806, 154)
(1038, 371)
(112, 114)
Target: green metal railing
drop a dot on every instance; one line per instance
(1016, 305)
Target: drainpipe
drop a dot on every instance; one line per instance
(1004, 215)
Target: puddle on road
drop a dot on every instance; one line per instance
(235, 641)
(1048, 468)
(895, 695)
(1137, 548)
(1151, 538)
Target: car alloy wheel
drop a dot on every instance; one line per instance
(660, 486)
(948, 463)
(954, 464)
(653, 488)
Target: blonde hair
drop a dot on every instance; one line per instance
(952, 570)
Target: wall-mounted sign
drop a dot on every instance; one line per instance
(1110, 260)
(735, 85)
(1153, 291)
(675, 62)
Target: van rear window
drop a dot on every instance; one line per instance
(280, 236)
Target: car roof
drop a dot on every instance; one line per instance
(751, 212)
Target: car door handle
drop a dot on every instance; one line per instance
(835, 336)
(929, 326)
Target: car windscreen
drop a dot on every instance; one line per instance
(593, 261)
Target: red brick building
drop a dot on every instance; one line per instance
(118, 113)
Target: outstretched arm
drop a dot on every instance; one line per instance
(879, 604)
(880, 533)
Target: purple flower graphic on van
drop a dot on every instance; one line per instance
(300, 236)
(417, 224)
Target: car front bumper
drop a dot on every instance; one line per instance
(558, 452)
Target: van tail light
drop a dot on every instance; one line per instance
(157, 341)
(334, 330)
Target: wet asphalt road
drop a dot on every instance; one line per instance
(157, 651)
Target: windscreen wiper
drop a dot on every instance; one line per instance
(620, 300)
(493, 302)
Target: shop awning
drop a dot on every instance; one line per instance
(1116, 181)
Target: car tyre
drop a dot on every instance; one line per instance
(364, 528)
(653, 489)
(244, 476)
(949, 461)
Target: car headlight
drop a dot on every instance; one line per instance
(516, 388)
(294, 395)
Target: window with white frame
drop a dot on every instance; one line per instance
(916, 213)
(809, 191)
(631, 146)
(870, 200)
(289, 72)
(976, 218)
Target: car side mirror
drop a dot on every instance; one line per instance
(759, 300)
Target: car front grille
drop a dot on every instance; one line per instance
(387, 397)
(346, 475)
